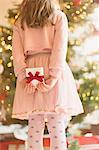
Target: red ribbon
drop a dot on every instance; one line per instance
(35, 77)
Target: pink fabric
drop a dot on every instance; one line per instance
(49, 37)
(56, 126)
(63, 97)
(47, 85)
(48, 48)
(18, 54)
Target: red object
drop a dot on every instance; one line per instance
(5, 145)
(46, 142)
(82, 140)
(3, 95)
(76, 2)
(36, 76)
(87, 140)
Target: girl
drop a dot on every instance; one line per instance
(40, 38)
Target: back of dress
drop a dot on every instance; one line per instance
(63, 97)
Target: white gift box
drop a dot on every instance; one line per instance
(34, 72)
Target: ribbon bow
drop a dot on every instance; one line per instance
(33, 77)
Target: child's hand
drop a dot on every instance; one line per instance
(28, 87)
(47, 85)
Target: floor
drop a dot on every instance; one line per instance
(12, 147)
(85, 147)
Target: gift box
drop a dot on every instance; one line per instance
(35, 75)
(16, 147)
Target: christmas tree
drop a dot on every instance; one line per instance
(77, 12)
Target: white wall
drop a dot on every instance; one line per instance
(4, 6)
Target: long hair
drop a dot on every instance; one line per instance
(36, 13)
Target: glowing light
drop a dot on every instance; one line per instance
(9, 105)
(2, 102)
(77, 12)
(71, 3)
(3, 43)
(11, 58)
(8, 109)
(91, 98)
(9, 64)
(83, 95)
(1, 49)
(10, 73)
(7, 88)
(16, 16)
(96, 107)
(68, 6)
(84, 7)
(8, 46)
(88, 93)
(9, 38)
(1, 61)
(97, 98)
(78, 42)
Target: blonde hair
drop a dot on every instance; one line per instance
(36, 13)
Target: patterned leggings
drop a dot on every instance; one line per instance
(56, 126)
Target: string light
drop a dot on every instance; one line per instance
(77, 12)
(96, 107)
(1, 61)
(2, 102)
(9, 64)
(9, 38)
(84, 7)
(78, 42)
(72, 42)
(71, 3)
(8, 109)
(3, 43)
(9, 105)
(91, 98)
(7, 87)
(8, 47)
(11, 58)
(83, 95)
(68, 6)
(1, 49)
(88, 93)
(97, 98)
(10, 73)
(94, 67)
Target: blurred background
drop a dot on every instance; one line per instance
(83, 58)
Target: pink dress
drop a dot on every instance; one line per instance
(44, 47)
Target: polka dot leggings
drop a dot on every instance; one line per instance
(56, 127)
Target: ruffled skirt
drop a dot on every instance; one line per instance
(62, 98)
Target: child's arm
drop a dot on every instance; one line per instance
(18, 53)
(58, 56)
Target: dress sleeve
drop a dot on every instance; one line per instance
(18, 54)
(59, 50)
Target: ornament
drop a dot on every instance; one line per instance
(1, 68)
(77, 2)
(3, 95)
